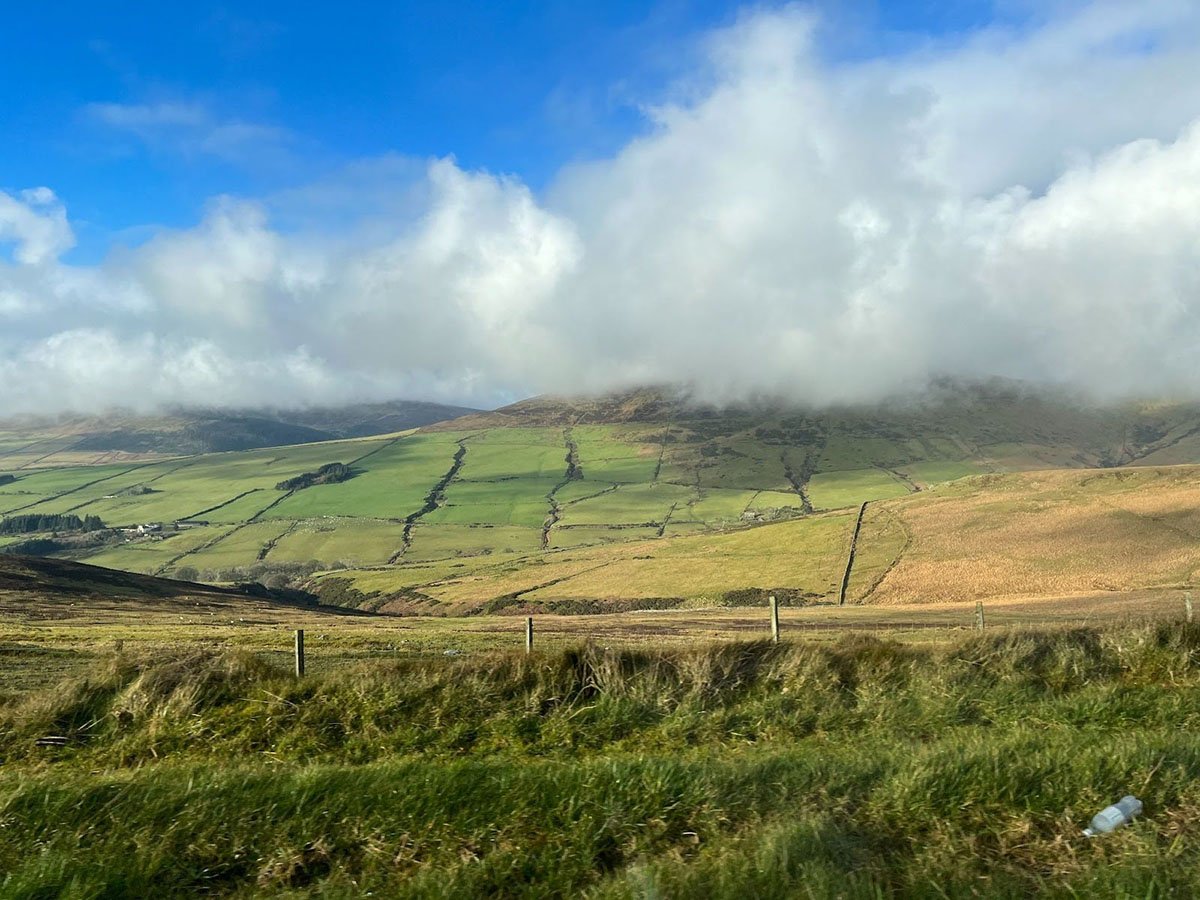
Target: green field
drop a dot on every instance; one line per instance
(523, 453)
(834, 490)
(434, 542)
(240, 546)
(851, 767)
(577, 536)
(393, 483)
(351, 542)
(31, 490)
(150, 556)
(520, 500)
(629, 504)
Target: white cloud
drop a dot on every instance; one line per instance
(36, 224)
(1021, 204)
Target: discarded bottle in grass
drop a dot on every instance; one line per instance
(1113, 817)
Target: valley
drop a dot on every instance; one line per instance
(647, 500)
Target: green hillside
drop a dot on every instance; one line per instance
(38, 443)
(541, 488)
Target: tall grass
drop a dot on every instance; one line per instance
(865, 768)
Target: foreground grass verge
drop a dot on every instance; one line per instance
(862, 768)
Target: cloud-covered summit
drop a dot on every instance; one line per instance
(1021, 203)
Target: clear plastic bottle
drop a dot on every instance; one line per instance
(1113, 817)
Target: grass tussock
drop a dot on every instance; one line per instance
(861, 768)
(130, 709)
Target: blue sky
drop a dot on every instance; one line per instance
(276, 203)
(115, 105)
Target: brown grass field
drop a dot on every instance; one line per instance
(1037, 534)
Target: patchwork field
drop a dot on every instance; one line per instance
(643, 501)
(1023, 535)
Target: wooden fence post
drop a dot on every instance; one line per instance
(299, 652)
(1187, 606)
(774, 619)
(529, 634)
(979, 615)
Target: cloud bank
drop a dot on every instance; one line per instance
(1023, 204)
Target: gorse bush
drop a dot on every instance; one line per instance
(272, 574)
(861, 768)
(331, 473)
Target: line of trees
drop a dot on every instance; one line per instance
(7, 479)
(43, 524)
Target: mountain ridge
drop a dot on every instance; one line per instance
(1103, 435)
(191, 431)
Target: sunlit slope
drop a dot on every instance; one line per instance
(1053, 533)
(444, 494)
(801, 561)
(176, 490)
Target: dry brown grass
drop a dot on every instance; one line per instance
(1049, 534)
